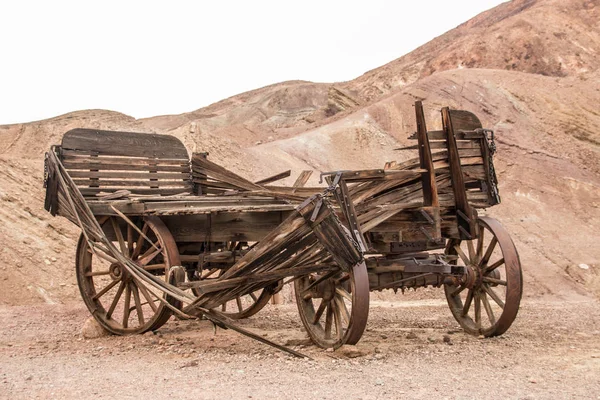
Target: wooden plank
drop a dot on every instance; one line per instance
(275, 178)
(75, 156)
(302, 178)
(380, 174)
(456, 175)
(124, 143)
(124, 167)
(430, 195)
(202, 165)
(91, 191)
(130, 183)
(129, 175)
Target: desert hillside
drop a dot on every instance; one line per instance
(528, 69)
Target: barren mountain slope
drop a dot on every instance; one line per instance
(547, 37)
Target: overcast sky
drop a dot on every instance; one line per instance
(146, 58)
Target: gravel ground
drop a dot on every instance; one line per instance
(412, 349)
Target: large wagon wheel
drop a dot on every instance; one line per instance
(334, 307)
(244, 305)
(494, 281)
(117, 301)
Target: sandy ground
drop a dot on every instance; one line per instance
(412, 349)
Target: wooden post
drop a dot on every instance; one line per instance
(430, 194)
(464, 214)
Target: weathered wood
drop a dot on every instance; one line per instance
(274, 178)
(430, 195)
(466, 221)
(124, 143)
(130, 175)
(302, 179)
(133, 183)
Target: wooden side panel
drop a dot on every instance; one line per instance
(128, 144)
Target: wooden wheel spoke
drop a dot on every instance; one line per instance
(461, 254)
(493, 295)
(343, 309)
(480, 245)
(500, 282)
(138, 303)
(477, 310)
(492, 267)
(154, 267)
(106, 289)
(457, 291)
(328, 321)
(471, 247)
(238, 301)
(119, 236)
(97, 273)
(147, 257)
(126, 309)
(139, 242)
(468, 302)
(319, 312)
(115, 301)
(343, 293)
(254, 298)
(148, 297)
(488, 309)
(488, 253)
(337, 316)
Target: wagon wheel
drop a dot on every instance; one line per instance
(119, 303)
(242, 306)
(494, 281)
(334, 307)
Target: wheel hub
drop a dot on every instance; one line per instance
(117, 271)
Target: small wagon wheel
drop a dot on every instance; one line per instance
(334, 307)
(488, 301)
(242, 306)
(119, 303)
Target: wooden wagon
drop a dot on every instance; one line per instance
(163, 233)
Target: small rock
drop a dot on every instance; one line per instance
(411, 335)
(53, 259)
(430, 339)
(351, 351)
(378, 382)
(257, 143)
(447, 339)
(193, 363)
(47, 262)
(584, 266)
(383, 336)
(92, 329)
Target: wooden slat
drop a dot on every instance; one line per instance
(201, 165)
(302, 178)
(430, 195)
(124, 167)
(87, 156)
(92, 191)
(130, 183)
(124, 143)
(129, 175)
(275, 178)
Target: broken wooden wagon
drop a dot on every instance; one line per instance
(163, 234)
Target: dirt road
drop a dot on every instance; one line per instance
(412, 349)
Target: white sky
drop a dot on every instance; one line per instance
(146, 58)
